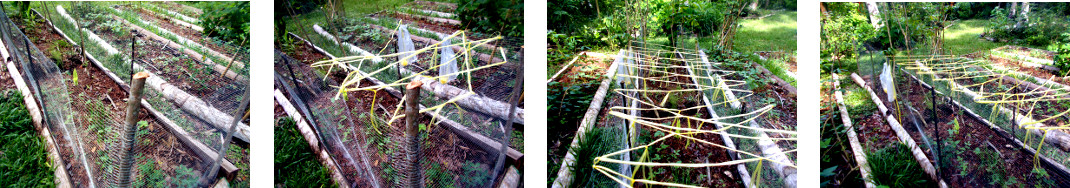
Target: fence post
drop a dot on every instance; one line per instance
(213, 170)
(412, 134)
(132, 107)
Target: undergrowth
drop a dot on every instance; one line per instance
(23, 159)
(295, 164)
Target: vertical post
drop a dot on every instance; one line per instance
(412, 134)
(514, 100)
(936, 127)
(133, 54)
(213, 170)
(132, 106)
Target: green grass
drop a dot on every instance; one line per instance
(295, 164)
(773, 33)
(894, 166)
(23, 159)
(964, 37)
(596, 142)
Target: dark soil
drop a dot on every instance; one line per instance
(961, 164)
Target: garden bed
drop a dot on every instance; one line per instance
(97, 100)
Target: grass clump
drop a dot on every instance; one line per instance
(295, 164)
(595, 142)
(23, 159)
(894, 166)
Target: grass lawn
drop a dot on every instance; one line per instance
(23, 158)
(295, 164)
(964, 37)
(774, 33)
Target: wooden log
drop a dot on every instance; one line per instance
(59, 168)
(852, 137)
(178, 21)
(313, 141)
(484, 142)
(511, 179)
(776, 79)
(563, 69)
(436, 13)
(431, 19)
(1058, 139)
(351, 47)
(193, 54)
(436, 3)
(197, 146)
(904, 137)
(564, 176)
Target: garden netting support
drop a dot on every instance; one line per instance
(655, 82)
(471, 111)
(173, 140)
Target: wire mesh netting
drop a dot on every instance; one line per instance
(657, 85)
(468, 85)
(1029, 110)
(86, 107)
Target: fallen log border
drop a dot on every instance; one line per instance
(197, 146)
(856, 147)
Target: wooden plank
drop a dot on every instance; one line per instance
(852, 137)
(901, 133)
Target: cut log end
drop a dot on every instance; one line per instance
(141, 75)
(416, 83)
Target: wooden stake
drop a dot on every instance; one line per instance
(412, 134)
(132, 107)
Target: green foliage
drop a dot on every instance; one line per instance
(844, 28)
(185, 177)
(295, 164)
(698, 17)
(436, 176)
(567, 103)
(596, 142)
(227, 20)
(1062, 55)
(1039, 29)
(504, 17)
(149, 175)
(972, 10)
(23, 159)
(475, 174)
(894, 166)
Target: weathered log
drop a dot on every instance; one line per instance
(564, 176)
(431, 19)
(310, 137)
(511, 179)
(852, 137)
(776, 79)
(904, 137)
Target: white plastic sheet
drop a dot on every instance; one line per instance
(887, 83)
(405, 45)
(449, 64)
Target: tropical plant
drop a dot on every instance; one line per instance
(228, 20)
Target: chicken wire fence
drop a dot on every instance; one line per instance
(1030, 115)
(90, 124)
(492, 81)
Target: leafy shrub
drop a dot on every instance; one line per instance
(1042, 26)
(972, 10)
(568, 103)
(226, 20)
(1062, 55)
(504, 17)
(844, 28)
